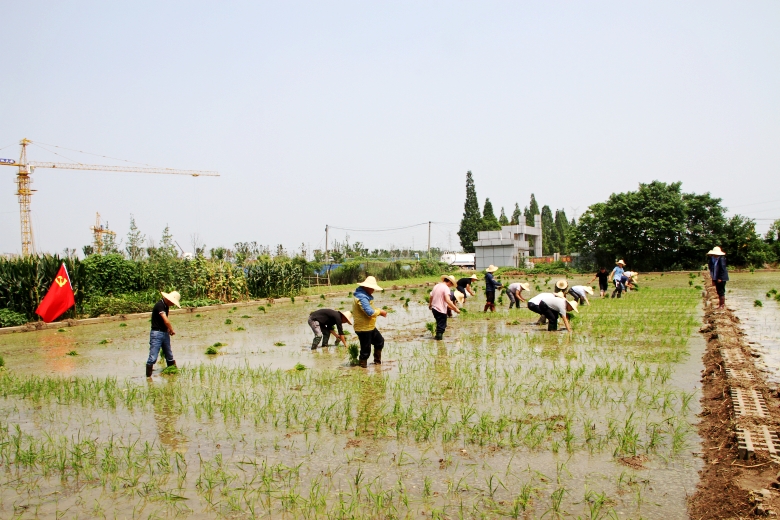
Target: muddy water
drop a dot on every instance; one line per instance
(453, 478)
(760, 323)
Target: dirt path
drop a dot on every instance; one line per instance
(731, 485)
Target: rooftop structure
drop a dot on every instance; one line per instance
(509, 247)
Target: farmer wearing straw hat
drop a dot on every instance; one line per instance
(580, 293)
(322, 322)
(561, 286)
(719, 273)
(162, 330)
(616, 275)
(515, 293)
(365, 316)
(464, 286)
(490, 288)
(440, 302)
(551, 306)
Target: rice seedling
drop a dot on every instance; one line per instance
(2, 362)
(72, 353)
(239, 328)
(757, 303)
(279, 344)
(228, 321)
(61, 330)
(123, 324)
(170, 370)
(212, 351)
(104, 342)
(353, 349)
(431, 327)
(261, 308)
(300, 366)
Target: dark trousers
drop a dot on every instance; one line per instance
(720, 288)
(544, 310)
(441, 321)
(618, 289)
(371, 337)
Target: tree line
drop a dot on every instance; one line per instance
(555, 227)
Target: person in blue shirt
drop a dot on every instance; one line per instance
(719, 273)
(490, 288)
(617, 275)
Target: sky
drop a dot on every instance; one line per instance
(367, 115)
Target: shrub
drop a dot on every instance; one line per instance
(9, 318)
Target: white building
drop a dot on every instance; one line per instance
(508, 247)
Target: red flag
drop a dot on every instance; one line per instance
(58, 299)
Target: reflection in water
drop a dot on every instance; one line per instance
(166, 417)
(371, 402)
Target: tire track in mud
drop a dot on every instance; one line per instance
(730, 486)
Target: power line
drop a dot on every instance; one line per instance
(378, 230)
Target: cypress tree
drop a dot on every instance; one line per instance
(489, 220)
(516, 214)
(549, 233)
(502, 219)
(533, 210)
(471, 222)
(562, 228)
(529, 218)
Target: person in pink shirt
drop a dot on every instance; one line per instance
(440, 301)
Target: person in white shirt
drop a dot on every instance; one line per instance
(580, 293)
(515, 293)
(551, 306)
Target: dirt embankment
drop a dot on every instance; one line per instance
(730, 486)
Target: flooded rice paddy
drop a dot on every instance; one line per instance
(501, 420)
(761, 322)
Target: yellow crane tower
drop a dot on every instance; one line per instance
(101, 235)
(24, 192)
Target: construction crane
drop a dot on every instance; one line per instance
(26, 169)
(102, 235)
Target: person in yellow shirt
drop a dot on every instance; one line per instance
(365, 315)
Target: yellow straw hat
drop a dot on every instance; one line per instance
(620, 262)
(526, 286)
(573, 306)
(449, 278)
(174, 297)
(561, 284)
(716, 251)
(491, 268)
(347, 316)
(589, 290)
(459, 297)
(474, 276)
(370, 282)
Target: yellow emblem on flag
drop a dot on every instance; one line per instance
(60, 280)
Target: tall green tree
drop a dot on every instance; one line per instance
(502, 219)
(135, 241)
(562, 228)
(516, 215)
(550, 238)
(489, 220)
(533, 210)
(658, 227)
(772, 239)
(471, 222)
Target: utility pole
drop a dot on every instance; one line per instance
(327, 253)
(429, 239)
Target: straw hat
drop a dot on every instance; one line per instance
(525, 286)
(589, 290)
(459, 297)
(716, 251)
(449, 278)
(573, 306)
(173, 297)
(347, 316)
(620, 262)
(370, 283)
(561, 284)
(491, 269)
(474, 276)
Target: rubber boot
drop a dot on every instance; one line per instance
(439, 336)
(510, 304)
(487, 306)
(363, 363)
(492, 307)
(378, 356)
(171, 364)
(149, 369)
(721, 302)
(315, 342)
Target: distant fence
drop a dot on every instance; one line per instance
(566, 259)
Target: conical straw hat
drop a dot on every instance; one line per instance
(173, 297)
(370, 282)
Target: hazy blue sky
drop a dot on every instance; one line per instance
(368, 114)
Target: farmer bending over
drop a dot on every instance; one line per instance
(440, 303)
(515, 293)
(365, 316)
(551, 306)
(162, 330)
(464, 286)
(580, 293)
(322, 321)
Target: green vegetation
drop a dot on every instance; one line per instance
(353, 349)
(9, 318)
(279, 344)
(72, 353)
(212, 351)
(171, 370)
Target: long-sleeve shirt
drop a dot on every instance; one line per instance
(719, 271)
(490, 283)
(365, 301)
